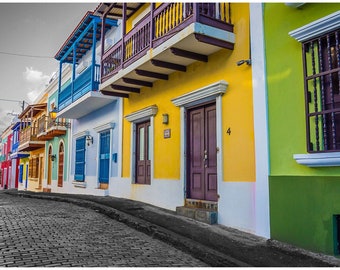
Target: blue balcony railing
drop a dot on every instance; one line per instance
(83, 84)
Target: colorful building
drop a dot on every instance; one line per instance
(18, 159)
(302, 70)
(56, 133)
(7, 180)
(95, 128)
(184, 72)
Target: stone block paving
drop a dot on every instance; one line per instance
(39, 233)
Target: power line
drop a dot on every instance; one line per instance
(27, 55)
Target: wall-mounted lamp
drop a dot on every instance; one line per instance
(53, 157)
(53, 113)
(165, 119)
(241, 62)
(89, 140)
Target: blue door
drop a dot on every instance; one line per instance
(26, 180)
(104, 157)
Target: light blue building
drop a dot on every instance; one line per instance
(96, 119)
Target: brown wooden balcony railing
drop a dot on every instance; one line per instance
(28, 134)
(160, 25)
(47, 123)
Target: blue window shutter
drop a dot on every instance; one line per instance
(104, 157)
(79, 174)
(21, 171)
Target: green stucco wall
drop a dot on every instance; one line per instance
(302, 209)
(285, 87)
(303, 200)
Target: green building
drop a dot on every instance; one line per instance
(302, 66)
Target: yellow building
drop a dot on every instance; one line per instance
(187, 143)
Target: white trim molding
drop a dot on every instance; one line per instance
(318, 159)
(317, 28)
(81, 134)
(106, 126)
(207, 93)
(143, 114)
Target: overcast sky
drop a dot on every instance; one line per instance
(37, 30)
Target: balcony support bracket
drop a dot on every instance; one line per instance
(137, 82)
(152, 74)
(191, 55)
(168, 65)
(114, 94)
(125, 88)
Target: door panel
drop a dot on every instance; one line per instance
(143, 164)
(104, 157)
(202, 155)
(211, 162)
(61, 165)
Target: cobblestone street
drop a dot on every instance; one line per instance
(37, 233)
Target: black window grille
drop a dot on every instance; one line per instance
(321, 59)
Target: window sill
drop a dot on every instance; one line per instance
(318, 159)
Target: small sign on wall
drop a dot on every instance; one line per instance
(167, 133)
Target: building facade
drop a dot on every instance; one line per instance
(302, 72)
(95, 126)
(184, 72)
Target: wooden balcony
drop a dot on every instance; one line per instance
(167, 39)
(48, 128)
(28, 139)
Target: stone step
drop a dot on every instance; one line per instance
(199, 214)
(208, 205)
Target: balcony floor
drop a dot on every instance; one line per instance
(88, 103)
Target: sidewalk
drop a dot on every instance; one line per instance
(216, 245)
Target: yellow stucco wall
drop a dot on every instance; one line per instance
(237, 110)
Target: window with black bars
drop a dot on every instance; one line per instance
(321, 59)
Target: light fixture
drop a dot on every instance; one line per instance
(89, 140)
(53, 113)
(53, 157)
(165, 119)
(241, 62)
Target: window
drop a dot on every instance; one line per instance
(143, 163)
(321, 56)
(79, 174)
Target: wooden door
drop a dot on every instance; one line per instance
(143, 163)
(61, 165)
(49, 167)
(202, 154)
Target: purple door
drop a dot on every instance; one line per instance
(202, 155)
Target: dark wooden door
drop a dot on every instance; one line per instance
(143, 164)
(202, 155)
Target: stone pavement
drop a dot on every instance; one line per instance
(215, 245)
(37, 233)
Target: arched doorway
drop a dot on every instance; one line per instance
(61, 165)
(49, 166)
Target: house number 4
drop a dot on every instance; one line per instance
(229, 131)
